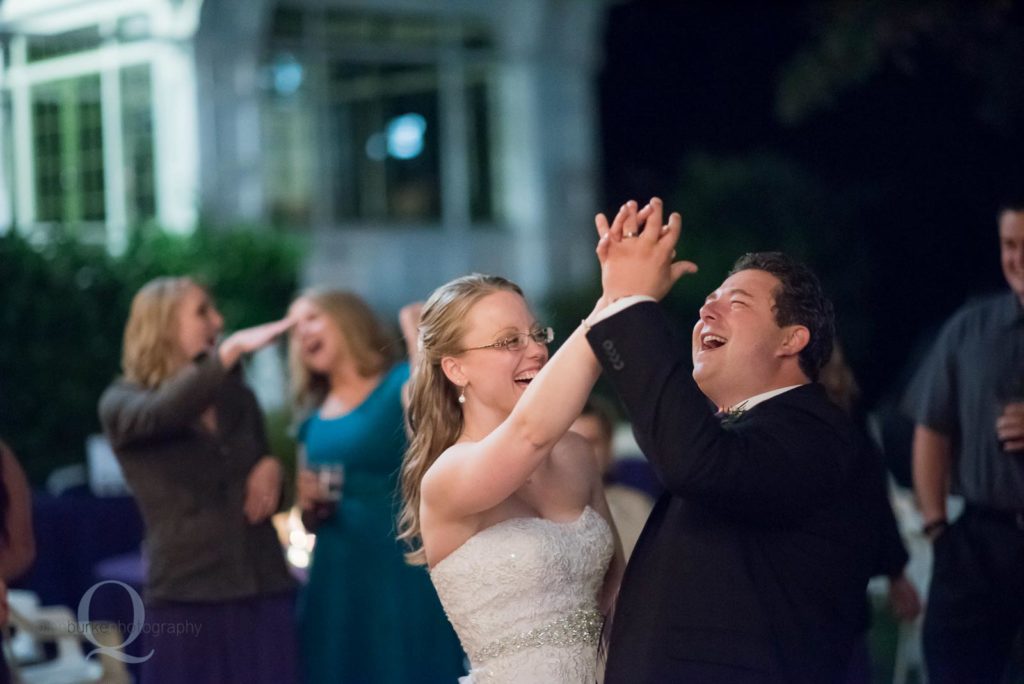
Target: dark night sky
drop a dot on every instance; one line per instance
(910, 148)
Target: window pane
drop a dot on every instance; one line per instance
(89, 129)
(46, 129)
(289, 162)
(137, 126)
(385, 118)
(356, 96)
(350, 27)
(68, 142)
(480, 136)
(42, 47)
(287, 23)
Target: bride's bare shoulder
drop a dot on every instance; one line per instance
(573, 446)
(438, 477)
(574, 456)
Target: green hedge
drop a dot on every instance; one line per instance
(63, 306)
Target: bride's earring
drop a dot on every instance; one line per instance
(462, 395)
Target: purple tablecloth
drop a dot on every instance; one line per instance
(73, 533)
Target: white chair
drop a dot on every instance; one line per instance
(66, 477)
(909, 656)
(29, 627)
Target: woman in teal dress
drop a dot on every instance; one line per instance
(365, 616)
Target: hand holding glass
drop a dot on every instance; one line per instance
(1010, 414)
(329, 479)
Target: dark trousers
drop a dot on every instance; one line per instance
(244, 641)
(976, 600)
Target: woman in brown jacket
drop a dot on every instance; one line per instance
(190, 439)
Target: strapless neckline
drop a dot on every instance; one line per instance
(522, 595)
(519, 520)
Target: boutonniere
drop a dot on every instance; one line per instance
(731, 415)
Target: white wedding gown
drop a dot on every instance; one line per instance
(522, 596)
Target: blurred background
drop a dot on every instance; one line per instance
(386, 146)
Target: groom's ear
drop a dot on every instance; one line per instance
(452, 370)
(796, 337)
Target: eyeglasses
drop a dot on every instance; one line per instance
(519, 341)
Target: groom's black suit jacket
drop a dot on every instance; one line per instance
(754, 563)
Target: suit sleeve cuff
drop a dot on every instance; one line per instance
(617, 306)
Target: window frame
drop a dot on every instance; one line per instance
(458, 67)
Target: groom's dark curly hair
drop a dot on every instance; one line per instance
(799, 300)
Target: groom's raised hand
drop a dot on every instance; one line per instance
(636, 252)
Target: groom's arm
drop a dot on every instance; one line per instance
(751, 471)
(747, 471)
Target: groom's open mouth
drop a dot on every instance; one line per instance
(710, 341)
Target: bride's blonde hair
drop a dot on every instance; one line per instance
(434, 416)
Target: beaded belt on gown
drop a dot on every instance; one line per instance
(581, 626)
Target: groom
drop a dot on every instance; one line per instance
(754, 563)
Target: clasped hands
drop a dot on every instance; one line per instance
(637, 252)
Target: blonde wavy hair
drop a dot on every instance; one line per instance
(434, 417)
(151, 352)
(367, 341)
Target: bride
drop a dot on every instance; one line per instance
(503, 505)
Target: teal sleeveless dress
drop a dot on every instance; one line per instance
(365, 616)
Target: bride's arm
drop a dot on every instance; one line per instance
(474, 476)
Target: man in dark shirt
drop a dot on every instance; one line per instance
(967, 401)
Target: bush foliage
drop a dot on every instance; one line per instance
(63, 306)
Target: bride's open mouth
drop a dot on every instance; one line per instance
(524, 379)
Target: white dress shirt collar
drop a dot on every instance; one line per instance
(753, 401)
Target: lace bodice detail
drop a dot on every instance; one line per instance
(522, 596)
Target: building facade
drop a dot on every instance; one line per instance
(411, 141)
